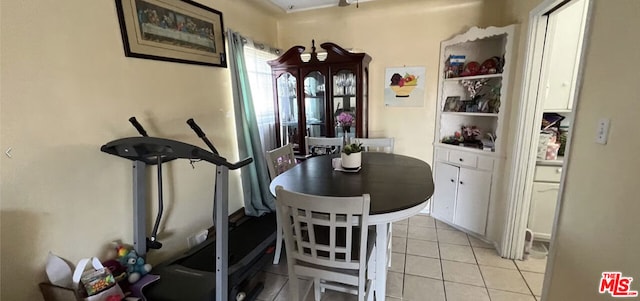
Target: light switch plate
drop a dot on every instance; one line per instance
(602, 131)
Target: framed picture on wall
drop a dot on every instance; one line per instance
(404, 86)
(180, 31)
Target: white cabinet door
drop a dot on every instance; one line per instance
(474, 189)
(444, 194)
(543, 208)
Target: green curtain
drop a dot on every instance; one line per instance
(255, 177)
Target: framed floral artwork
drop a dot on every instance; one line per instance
(180, 31)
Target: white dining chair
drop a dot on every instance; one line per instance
(329, 240)
(323, 145)
(279, 160)
(384, 145)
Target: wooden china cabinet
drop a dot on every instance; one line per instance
(312, 90)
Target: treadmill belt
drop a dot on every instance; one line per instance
(242, 240)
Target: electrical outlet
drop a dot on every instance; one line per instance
(202, 236)
(197, 238)
(602, 132)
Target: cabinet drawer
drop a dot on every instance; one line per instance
(463, 159)
(485, 163)
(547, 173)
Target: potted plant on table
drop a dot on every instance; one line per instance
(351, 156)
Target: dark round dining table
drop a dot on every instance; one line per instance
(399, 187)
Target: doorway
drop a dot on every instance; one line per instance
(557, 30)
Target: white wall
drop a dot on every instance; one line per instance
(66, 89)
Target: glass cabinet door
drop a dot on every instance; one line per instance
(344, 104)
(288, 110)
(315, 105)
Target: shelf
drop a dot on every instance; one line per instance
(467, 149)
(562, 111)
(474, 77)
(471, 114)
(317, 96)
(557, 162)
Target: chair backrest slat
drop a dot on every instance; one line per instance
(312, 234)
(323, 145)
(325, 230)
(349, 239)
(292, 213)
(377, 144)
(332, 237)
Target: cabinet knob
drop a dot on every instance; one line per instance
(452, 180)
(461, 183)
(461, 160)
(559, 170)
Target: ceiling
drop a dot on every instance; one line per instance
(291, 6)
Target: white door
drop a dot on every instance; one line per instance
(534, 86)
(473, 200)
(444, 194)
(563, 45)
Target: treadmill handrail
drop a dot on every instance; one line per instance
(147, 149)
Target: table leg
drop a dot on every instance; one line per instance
(381, 261)
(390, 242)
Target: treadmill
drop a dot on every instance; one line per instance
(228, 260)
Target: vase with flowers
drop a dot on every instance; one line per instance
(470, 135)
(345, 120)
(351, 156)
(473, 87)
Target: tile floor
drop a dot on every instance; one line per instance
(433, 261)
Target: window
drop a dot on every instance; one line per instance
(261, 83)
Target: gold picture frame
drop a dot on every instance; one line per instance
(180, 31)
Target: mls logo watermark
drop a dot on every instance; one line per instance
(616, 285)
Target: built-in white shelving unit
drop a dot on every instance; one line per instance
(467, 173)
